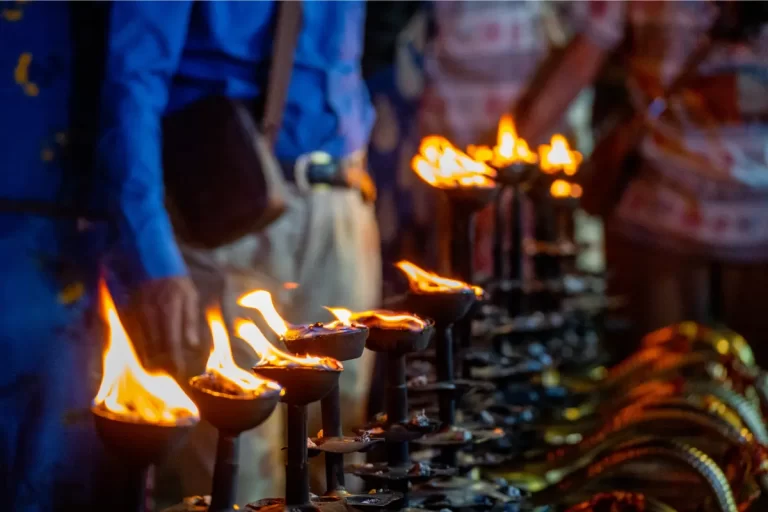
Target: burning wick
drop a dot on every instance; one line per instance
(426, 282)
(128, 390)
(269, 354)
(557, 155)
(561, 189)
(510, 148)
(380, 319)
(272, 356)
(443, 166)
(222, 373)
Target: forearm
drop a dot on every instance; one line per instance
(144, 47)
(577, 68)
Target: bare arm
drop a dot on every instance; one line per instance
(576, 69)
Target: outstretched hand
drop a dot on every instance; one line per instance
(167, 316)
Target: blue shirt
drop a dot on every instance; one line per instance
(164, 55)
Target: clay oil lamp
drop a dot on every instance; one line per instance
(517, 167)
(305, 379)
(469, 185)
(341, 340)
(140, 416)
(558, 197)
(233, 400)
(396, 334)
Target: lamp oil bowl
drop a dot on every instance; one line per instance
(233, 400)
(305, 379)
(396, 332)
(139, 416)
(442, 299)
(342, 339)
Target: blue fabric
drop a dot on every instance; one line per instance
(165, 55)
(49, 453)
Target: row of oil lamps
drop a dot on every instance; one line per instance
(141, 415)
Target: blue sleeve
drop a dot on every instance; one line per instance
(143, 51)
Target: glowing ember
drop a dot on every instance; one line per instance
(131, 392)
(380, 319)
(221, 365)
(422, 281)
(443, 166)
(557, 155)
(272, 356)
(561, 189)
(262, 300)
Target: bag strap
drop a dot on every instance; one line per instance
(279, 78)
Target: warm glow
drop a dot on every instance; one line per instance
(343, 317)
(509, 149)
(561, 189)
(381, 319)
(422, 281)
(557, 156)
(272, 356)
(262, 300)
(221, 362)
(290, 285)
(127, 389)
(443, 166)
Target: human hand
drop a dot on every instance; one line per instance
(166, 315)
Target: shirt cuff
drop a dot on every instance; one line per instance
(153, 252)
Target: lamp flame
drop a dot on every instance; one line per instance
(262, 300)
(127, 389)
(444, 166)
(557, 155)
(222, 364)
(272, 356)
(381, 319)
(561, 189)
(510, 148)
(421, 280)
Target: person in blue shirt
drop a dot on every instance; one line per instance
(163, 57)
(55, 230)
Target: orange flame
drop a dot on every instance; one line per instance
(380, 318)
(422, 281)
(510, 148)
(222, 364)
(557, 155)
(262, 300)
(561, 189)
(272, 356)
(127, 389)
(443, 166)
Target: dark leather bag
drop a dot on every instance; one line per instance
(222, 180)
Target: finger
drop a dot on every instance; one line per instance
(172, 323)
(191, 318)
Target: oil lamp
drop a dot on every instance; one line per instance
(558, 198)
(397, 334)
(232, 400)
(305, 379)
(342, 340)
(140, 416)
(445, 301)
(469, 185)
(517, 168)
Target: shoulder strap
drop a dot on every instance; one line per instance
(284, 48)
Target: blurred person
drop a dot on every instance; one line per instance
(54, 235)
(481, 61)
(393, 67)
(696, 200)
(165, 56)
